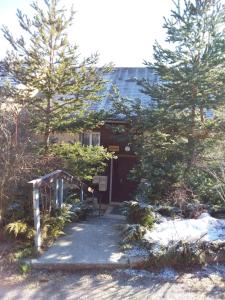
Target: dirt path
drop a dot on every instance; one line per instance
(208, 283)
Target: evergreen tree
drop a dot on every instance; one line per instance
(191, 71)
(191, 87)
(172, 134)
(54, 84)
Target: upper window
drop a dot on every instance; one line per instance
(90, 138)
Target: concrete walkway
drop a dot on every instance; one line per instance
(90, 244)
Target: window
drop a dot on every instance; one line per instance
(95, 139)
(90, 138)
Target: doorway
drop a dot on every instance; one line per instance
(122, 187)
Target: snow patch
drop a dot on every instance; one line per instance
(205, 228)
(212, 270)
(137, 251)
(164, 274)
(137, 273)
(168, 274)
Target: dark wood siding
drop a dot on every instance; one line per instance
(122, 188)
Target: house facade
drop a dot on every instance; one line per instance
(116, 182)
(114, 185)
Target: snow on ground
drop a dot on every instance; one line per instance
(137, 251)
(168, 274)
(164, 274)
(212, 270)
(205, 228)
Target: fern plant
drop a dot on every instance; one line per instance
(21, 228)
(52, 225)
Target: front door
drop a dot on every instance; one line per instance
(122, 188)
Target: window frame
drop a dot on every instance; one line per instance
(90, 138)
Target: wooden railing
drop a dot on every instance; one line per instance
(57, 178)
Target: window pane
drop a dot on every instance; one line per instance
(95, 139)
(86, 139)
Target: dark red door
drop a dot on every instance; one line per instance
(122, 188)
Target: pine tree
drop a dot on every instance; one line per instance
(54, 84)
(191, 71)
(172, 134)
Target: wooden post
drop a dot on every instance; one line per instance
(56, 193)
(61, 185)
(37, 219)
(81, 193)
(111, 181)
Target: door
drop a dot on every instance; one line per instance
(122, 188)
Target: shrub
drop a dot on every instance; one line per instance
(84, 161)
(24, 268)
(132, 233)
(217, 211)
(52, 225)
(181, 254)
(165, 210)
(22, 251)
(138, 214)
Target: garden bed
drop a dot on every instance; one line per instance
(174, 241)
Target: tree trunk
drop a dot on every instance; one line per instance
(191, 141)
(2, 209)
(46, 137)
(202, 114)
(47, 125)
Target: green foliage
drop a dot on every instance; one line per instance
(183, 254)
(73, 198)
(83, 161)
(53, 225)
(126, 246)
(218, 211)
(21, 252)
(160, 163)
(20, 228)
(58, 86)
(166, 210)
(138, 214)
(17, 228)
(202, 185)
(132, 233)
(173, 134)
(24, 268)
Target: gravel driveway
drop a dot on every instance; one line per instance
(208, 283)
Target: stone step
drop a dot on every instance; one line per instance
(128, 262)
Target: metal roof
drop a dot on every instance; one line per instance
(6, 80)
(125, 79)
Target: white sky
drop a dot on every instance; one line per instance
(122, 31)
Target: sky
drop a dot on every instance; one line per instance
(121, 31)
